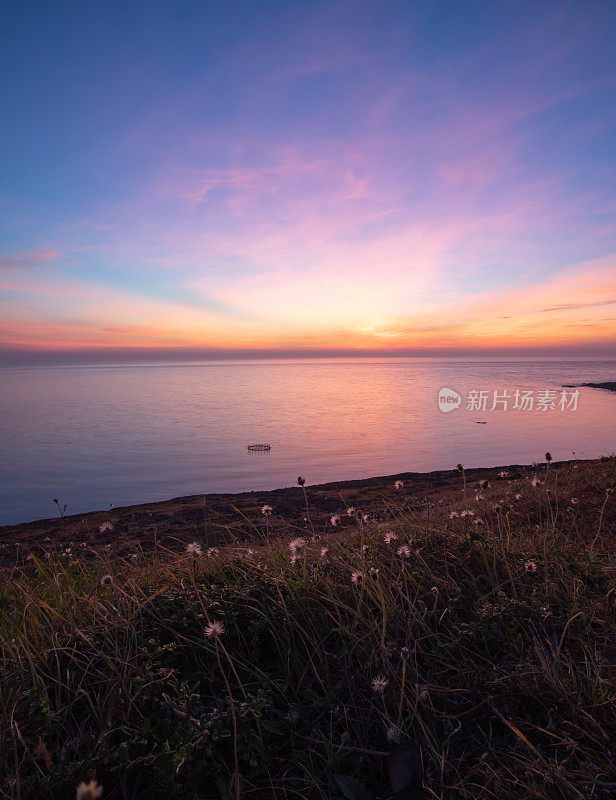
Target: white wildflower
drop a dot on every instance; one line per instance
(379, 684)
(106, 526)
(214, 629)
(295, 545)
(89, 791)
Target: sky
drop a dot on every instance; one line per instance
(221, 178)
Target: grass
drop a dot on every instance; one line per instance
(488, 639)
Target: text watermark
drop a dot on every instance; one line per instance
(514, 400)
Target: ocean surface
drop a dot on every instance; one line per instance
(96, 435)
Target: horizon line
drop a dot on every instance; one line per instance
(24, 356)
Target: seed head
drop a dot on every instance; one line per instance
(89, 791)
(379, 684)
(214, 629)
(296, 544)
(194, 549)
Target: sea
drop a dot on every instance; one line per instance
(119, 434)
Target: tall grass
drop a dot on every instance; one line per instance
(488, 638)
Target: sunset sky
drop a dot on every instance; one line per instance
(222, 177)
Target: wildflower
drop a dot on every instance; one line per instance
(214, 629)
(350, 511)
(335, 519)
(460, 468)
(106, 526)
(295, 545)
(574, 501)
(266, 510)
(548, 456)
(390, 537)
(404, 551)
(530, 566)
(535, 481)
(89, 791)
(405, 653)
(503, 474)
(518, 497)
(393, 734)
(453, 515)
(398, 484)
(106, 579)
(486, 609)
(323, 552)
(466, 513)
(379, 684)
(211, 552)
(357, 577)
(479, 496)
(301, 481)
(365, 518)
(194, 549)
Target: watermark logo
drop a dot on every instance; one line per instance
(448, 400)
(515, 400)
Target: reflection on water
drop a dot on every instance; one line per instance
(96, 435)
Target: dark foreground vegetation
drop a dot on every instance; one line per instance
(479, 629)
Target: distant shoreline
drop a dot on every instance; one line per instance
(228, 519)
(609, 386)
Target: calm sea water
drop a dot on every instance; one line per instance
(95, 435)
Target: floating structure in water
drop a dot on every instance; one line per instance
(259, 447)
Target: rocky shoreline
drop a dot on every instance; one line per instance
(228, 519)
